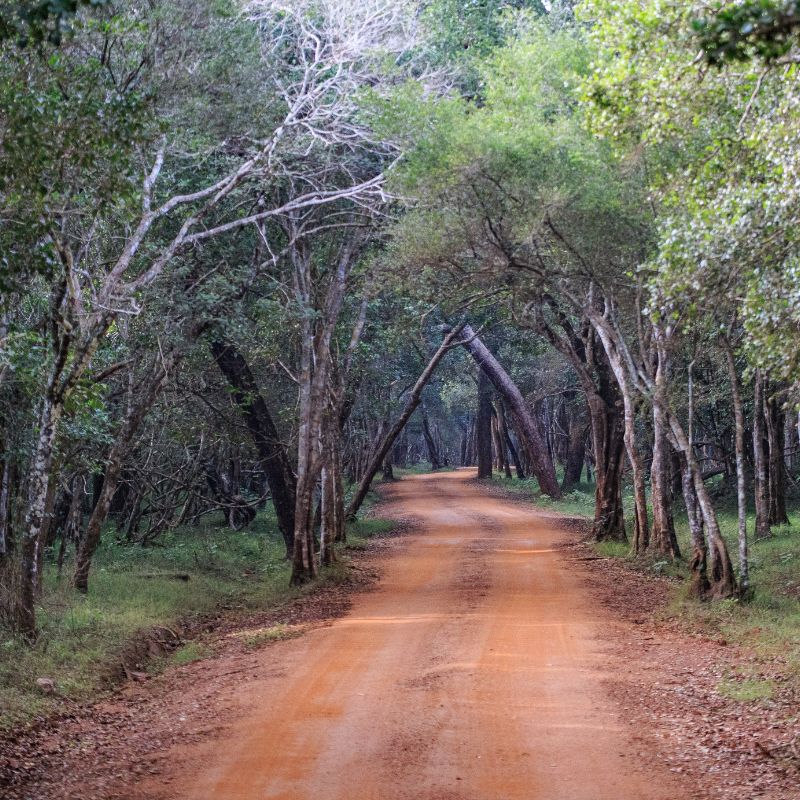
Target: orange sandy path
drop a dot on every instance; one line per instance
(473, 672)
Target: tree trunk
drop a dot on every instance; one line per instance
(760, 459)
(533, 441)
(271, 452)
(641, 525)
(608, 432)
(24, 614)
(721, 578)
(576, 451)
(483, 427)
(776, 493)
(433, 453)
(512, 450)
(5, 505)
(500, 443)
(327, 529)
(698, 563)
(741, 492)
(663, 540)
(147, 391)
(605, 416)
(412, 402)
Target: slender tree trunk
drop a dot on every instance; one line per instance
(5, 504)
(641, 525)
(741, 492)
(541, 461)
(340, 521)
(773, 413)
(412, 402)
(760, 459)
(327, 531)
(462, 461)
(512, 450)
(500, 443)
(721, 577)
(304, 566)
(483, 426)
(141, 398)
(35, 519)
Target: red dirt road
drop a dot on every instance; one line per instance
(473, 672)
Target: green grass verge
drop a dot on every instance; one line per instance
(131, 591)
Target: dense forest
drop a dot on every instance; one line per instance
(258, 256)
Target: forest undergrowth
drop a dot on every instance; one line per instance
(146, 608)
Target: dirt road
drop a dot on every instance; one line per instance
(474, 671)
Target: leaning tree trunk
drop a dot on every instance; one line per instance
(271, 452)
(412, 402)
(533, 441)
(483, 427)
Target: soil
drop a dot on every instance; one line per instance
(490, 659)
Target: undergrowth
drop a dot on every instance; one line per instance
(136, 589)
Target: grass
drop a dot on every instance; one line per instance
(748, 690)
(769, 622)
(189, 653)
(275, 633)
(83, 637)
(579, 502)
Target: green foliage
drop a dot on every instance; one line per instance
(722, 166)
(37, 21)
(462, 32)
(746, 28)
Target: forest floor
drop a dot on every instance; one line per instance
(494, 656)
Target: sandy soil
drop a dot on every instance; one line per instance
(474, 671)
